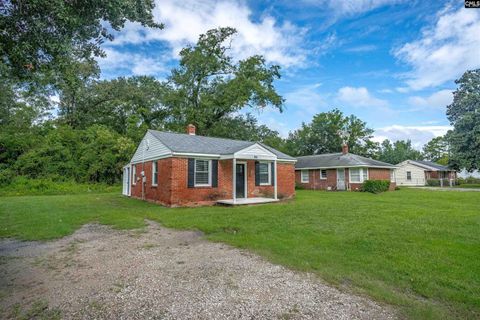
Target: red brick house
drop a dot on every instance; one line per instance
(176, 169)
(340, 171)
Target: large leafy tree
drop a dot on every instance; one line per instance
(128, 106)
(210, 85)
(436, 150)
(74, 88)
(464, 115)
(40, 39)
(327, 132)
(398, 151)
(246, 128)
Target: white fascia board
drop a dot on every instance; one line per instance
(346, 167)
(181, 154)
(279, 160)
(286, 160)
(196, 155)
(152, 158)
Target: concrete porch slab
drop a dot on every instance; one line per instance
(243, 201)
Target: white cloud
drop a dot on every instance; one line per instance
(402, 89)
(184, 21)
(308, 100)
(385, 91)
(445, 50)
(352, 7)
(136, 63)
(359, 97)
(419, 135)
(282, 127)
(362, 49)
(439, 100)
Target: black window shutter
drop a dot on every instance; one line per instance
(214, 173)
(257, 173)
(191, 173)
(273, 173)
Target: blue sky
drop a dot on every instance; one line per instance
(390, 63)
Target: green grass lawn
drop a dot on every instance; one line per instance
(469, 185)
(417, 250)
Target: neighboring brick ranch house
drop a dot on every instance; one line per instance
(177, 169)
(418, 173)
(340, 171)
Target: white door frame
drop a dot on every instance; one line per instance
(338, 180)
(245, 177)
(129, 180)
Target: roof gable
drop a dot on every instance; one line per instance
(255, 151)
(149, 148)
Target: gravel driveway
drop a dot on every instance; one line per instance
(160, 273)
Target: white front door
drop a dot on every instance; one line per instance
(341, 179)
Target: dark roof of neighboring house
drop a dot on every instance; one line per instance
(186, 143)
(430, 164)
(335, 160)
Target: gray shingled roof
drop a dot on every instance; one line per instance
(334, 160)
(181, 142)
(434, 165)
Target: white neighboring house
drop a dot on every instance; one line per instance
(418, 172)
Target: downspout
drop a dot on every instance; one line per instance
(275, 177)
(143, 171)
(234, 180)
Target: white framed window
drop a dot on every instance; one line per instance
(355, 175)
(304, 176)
(154, 173)
(203, 173)
(392, 175)
(409, 175)
(323, 174)
(365, 174)
(358, 175)
(134, 174)
(264, 173)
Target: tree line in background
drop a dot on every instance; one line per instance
(92, 127)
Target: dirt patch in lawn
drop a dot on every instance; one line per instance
(160, 273)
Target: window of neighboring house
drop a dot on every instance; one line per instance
(264, 173)
(358, 175)
(305, 176)
(365, 174)
(154, 173)
(323, 174)
(203, 177)
(134, 174)
(392, 175)
(409, 175)
(355, 175)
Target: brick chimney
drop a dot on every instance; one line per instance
(344, 148)
(191, 129)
